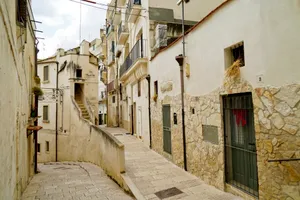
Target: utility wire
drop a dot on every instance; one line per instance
(106, 9)
(112, 6)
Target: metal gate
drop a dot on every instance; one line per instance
(167, 128)
(240, 147)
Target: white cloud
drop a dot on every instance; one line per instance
(61, 24)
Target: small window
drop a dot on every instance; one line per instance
(139, 88)
(233, 53)
(114, 99)
(46, 73)
(47, 146)
(45, 113)
(38, 147)
(238, 53)
(22, 12)
(156, 88)
(78, 73)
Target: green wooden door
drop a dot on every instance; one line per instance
(167, 128)
(240, 147)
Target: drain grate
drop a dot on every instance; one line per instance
(168, 193)
(118, 134)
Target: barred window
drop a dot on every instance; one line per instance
(22, 12)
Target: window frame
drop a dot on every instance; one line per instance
(156, 88)
(38, 147)
(76, 73)
(44, 74)
(139, 87)
(47, 146)
(45, 120)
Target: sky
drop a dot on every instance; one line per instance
(61, 21)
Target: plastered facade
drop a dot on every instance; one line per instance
(275, 100)
(17, 71)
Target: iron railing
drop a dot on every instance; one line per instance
(122, 28)
(138, 51)
(130, 5)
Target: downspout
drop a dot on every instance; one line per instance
(36, 104)
(149, 108)
(56, 113)
(182, 89)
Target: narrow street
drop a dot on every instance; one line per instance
(154, 177)
(73, 180)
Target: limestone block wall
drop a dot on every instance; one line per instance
(277, 131)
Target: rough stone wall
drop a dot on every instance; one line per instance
(277, 131)
(277, 126)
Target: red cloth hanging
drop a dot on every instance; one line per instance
(240, 117)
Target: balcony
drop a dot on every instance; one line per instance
(136, 62)
(133, 10)
(123, 32)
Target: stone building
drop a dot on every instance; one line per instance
(47, 71)
(18, 80)
(72, 79)
(242, 99)
(135, 31)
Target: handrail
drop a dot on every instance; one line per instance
(285, 160)
(137, 51)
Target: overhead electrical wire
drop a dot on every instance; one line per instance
(106, 9)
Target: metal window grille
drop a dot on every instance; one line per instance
(45, 113)
(46, 73)
(240, 146)
(238, 53)
(22, 12)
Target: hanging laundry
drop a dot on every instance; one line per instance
(240, 117)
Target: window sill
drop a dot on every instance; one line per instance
(46, 121)
(44, 82)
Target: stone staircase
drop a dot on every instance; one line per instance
(84, 112)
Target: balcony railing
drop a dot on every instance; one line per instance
(122, 28)
(138, 51)
(111, 86)
(131, 3)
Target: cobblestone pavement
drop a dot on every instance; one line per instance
(73, 181)
(151, 173)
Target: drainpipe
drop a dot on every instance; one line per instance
(56, 113)
(36, 104)
(180, 59)
(149, 109)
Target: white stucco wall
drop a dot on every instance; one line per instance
(266, 44)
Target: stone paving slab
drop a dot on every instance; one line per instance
(151, 173)
(73, 180)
